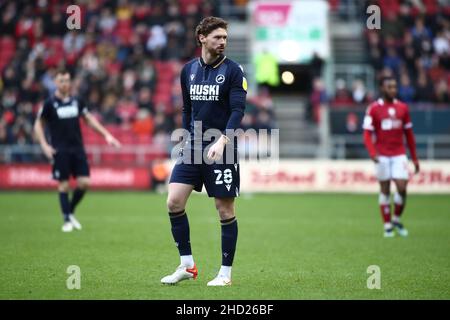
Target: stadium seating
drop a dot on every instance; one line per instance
(7, 49)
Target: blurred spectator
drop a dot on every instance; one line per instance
(247, 121)
(73, 42)
(352, 122)
(94, 99)
(342, 97)
(316, 65)
(163, 124)
(359, 92)
(392, 60)
(173, 50)
(406, 91)
(107, 21)
(108, 111)
(10, 78)
(442, 92)
(145, 100)
(441, 43)
(143, 126)
(424, 89)
(420, 31)
(126, 110)
(259, 113)
(156, 41)
(9, 19)
(392, 26)
(56, 24)
(318, 97)
(264, 121)
(266, 67)
(3, 132)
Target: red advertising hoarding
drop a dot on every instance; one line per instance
(16, 177)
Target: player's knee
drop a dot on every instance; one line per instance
(84, 184)
(175, 205)
(63, 186)
(226, 211)
(399, 198)
(402, 191)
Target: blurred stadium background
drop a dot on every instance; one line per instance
(312, 68)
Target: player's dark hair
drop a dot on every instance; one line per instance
(208, 25)
(62, 71)
(384, 79)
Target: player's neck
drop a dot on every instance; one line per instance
(208, 57)
(388, 100)
(60, 95)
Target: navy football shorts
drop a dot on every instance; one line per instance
(70, 163)
(221, 180)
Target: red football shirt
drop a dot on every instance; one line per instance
(388, 121)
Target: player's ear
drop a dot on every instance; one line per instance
(202, 38)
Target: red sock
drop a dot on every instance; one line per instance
(399, 205)
(398, 210)
(386, 212)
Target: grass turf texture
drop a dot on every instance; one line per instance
(293, 246)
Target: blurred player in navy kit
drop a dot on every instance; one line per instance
(60, 113)
(214, 92)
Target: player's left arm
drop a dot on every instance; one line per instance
(238, 94)
(97, 126)
(369, 129)
(410, 140)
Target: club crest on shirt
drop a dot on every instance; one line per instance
(220, 78)
(391, 112)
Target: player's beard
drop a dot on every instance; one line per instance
(220, 50)
(64, 92)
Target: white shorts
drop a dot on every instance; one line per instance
(389, 168)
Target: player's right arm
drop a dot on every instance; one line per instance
(369, 128)
(187, 107)
(40, 134)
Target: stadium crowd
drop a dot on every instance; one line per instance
(125, 62)
(413, 45)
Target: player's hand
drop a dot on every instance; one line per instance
(112, 141)
(416, 167)
(48, 151)
(375, 159)
(216, 150)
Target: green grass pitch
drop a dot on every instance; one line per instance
(292, 246)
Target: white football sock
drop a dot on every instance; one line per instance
(398, 199)
(187, 261)
(225, 271)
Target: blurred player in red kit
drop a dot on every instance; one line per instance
(388, 119)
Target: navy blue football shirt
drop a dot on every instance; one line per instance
(62, 119)
(213, 94)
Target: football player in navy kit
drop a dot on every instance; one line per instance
(214, 92)
(60, 113)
